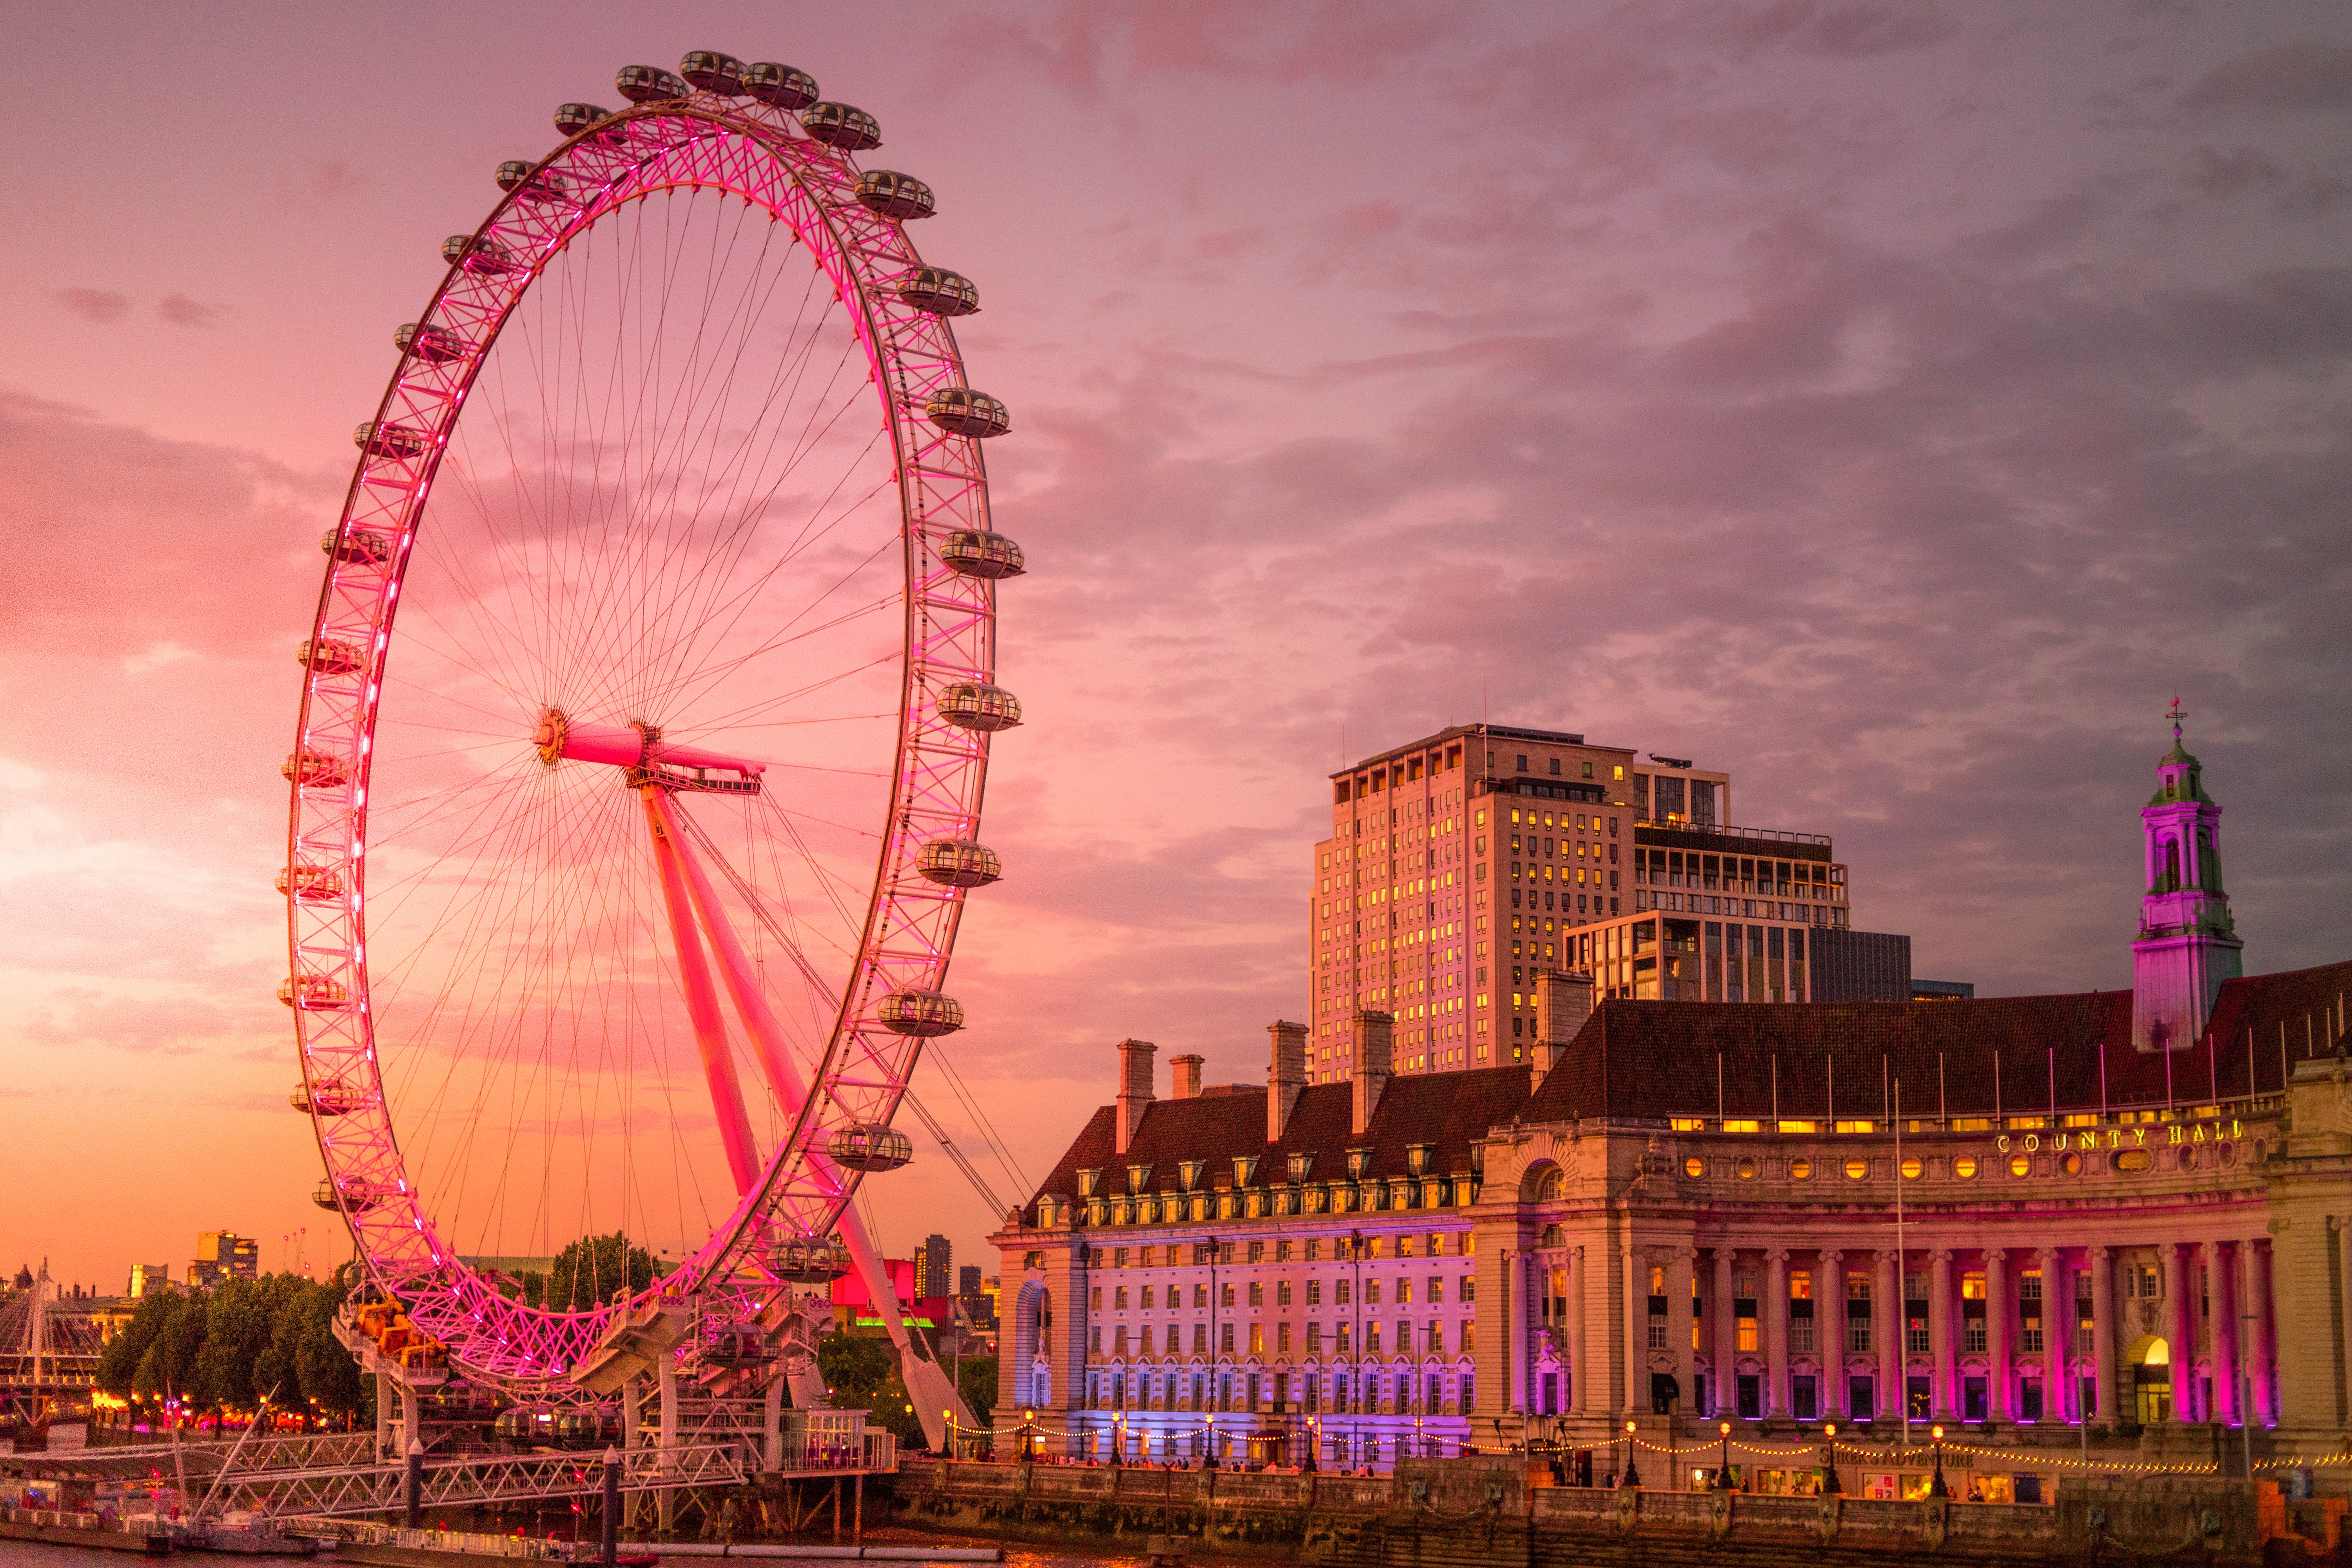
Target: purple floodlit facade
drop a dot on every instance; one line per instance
(2010, 1216)
(2187, 946)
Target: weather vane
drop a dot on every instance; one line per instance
(2176, 713)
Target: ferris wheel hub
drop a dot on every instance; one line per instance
(639, 750)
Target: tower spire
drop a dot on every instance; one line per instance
(2187, 944)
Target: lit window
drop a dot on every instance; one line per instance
(1743, 1127)
(1801, 1170)
(1800, 1127)
(1912, 1169)
(1694, 1167)
(2019, 1165)
(1965, 1167)
(1855, 1170)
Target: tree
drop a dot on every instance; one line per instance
(863, 1374)
(169, 1364)
(976, 1381)
(236, 1332)
(591, 1269)
(118, 1364)
(323, 1369)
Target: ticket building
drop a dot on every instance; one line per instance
(2104, 1229)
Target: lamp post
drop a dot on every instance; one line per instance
(1118, 1438)
(1213, 1440)
(1314, 1440)
(1632, 1473)
(1935, 1487)
(1723, 1465)
(1831, 1486)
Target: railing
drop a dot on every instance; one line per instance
(382, 1488)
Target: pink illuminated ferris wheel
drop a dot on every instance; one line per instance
(645, 720)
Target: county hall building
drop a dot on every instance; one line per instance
(2117, 1223)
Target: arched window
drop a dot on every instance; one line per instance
(2172, 866)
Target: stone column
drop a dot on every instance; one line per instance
(1829, 1330)
(1996, 1319)
(1775, 1333)
(2221, 1309)
(2262, 1355)
(1943, 1400)
(1517, 1328)
(1727, 1343)
(2103, 1332)
(1887, 1327)
(2049, 1259)
(1637, 1336)
(2182, 1325)
(1680, 1327)
(1580, 1367)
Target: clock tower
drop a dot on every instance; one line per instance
(2187, 945)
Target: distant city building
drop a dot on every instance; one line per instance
(223, 1255)
(1461, 865)
(2066, 1226)
(968, 1280)
(1861, 966)
(1942, 990)
(935, 1261)
(148, 1277)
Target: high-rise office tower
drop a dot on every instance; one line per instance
(935, 1266)
(1462, 865)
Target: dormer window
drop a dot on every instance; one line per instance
(1358, 1162)
(1188, 1172)
(1138, 1178)
(1088, 1182)
(1416, 1159)
(1245, 1169)
(1299, 1165)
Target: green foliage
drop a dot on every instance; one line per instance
(976, 1381)
(863, 1374)
(245, 1339)
(118, 1363)
(593, 1268)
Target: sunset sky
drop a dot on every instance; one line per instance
(1892, 404)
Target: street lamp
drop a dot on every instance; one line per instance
(1314, 1440)
(1723, 1465)
(1935, 1487)
(1632, 1474)
(1831, 1486)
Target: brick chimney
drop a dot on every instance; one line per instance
(1285, 1075)
(1187, 1073)
(1563, 1002)
(1375, 1050)
(1134, 1088)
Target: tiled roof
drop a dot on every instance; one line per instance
(1445, 1111)
(2005, 1056)
(2010, 1055)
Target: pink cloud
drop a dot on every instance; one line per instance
(182, 311)
(102, 305)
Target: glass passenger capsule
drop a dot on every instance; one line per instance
(959, 863)
(960, 411)
(572, 119)
(649, 84)
(810, 1260)
(926, 1014)
(870, 1147)
(432, 344)
(326, 1098)
(313, 993)
(940, 292)
(713, 72)
(313, 884)
(359, 547)
(326, 656)
(314, 770)
(838, 125)
(976, 705)
(780, 87)
(487, 258)
(975, 553)
(583, 1429)
(393, 441)
(895, 195)
(529, 183)
(358, 1194)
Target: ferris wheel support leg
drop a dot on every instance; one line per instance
(937, 1400)
(702, 1001)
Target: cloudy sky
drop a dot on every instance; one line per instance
(1891, 404)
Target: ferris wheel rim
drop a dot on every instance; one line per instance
(557, 1341)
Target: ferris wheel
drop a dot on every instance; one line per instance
(654, 665)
